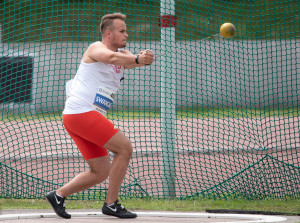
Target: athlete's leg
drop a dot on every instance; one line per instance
(99, 171)
(122, 149)
(90, 131)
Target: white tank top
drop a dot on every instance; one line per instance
(85, 86)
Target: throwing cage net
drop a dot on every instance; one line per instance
(211, 117)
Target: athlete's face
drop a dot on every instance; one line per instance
(119, 34)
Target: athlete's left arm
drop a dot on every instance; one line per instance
(133, 65)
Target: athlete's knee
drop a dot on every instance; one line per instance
(100, 176)
(125, 148)
(120, 145)
(99, 168)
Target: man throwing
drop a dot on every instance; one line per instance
(91, 96)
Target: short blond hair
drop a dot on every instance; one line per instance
(108, 19)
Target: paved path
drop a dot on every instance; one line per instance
(91, 216)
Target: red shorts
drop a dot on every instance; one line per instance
(90, 131)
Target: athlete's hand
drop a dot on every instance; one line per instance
(146, 57)
(144, 51)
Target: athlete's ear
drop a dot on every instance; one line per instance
(107, 33)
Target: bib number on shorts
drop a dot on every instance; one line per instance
(103, 100)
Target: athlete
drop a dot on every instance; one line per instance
(90, 97)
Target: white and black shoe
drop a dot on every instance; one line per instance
(58, 204)
(117, 210)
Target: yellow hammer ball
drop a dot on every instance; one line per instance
(227, 30)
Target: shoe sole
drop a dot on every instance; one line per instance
(124, 216)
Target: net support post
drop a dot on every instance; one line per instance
(167, 22)
(0, 33)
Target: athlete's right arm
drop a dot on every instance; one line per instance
(99, 52)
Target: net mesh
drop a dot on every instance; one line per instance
(214, 118)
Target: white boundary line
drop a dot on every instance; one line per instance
(251, 218)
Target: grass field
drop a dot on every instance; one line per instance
(204, 113)
(283, 206)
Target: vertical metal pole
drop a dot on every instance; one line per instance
(0, 32)
(168, 97)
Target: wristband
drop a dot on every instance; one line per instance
(137, 59)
